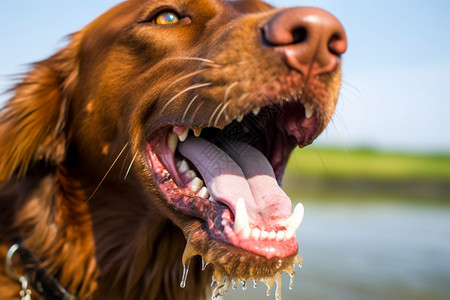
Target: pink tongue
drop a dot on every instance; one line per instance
(261, 179)
(246, 174)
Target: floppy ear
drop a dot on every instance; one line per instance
(32, 122)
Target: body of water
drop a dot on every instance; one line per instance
(377, 250)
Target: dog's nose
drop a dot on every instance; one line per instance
(311, 40)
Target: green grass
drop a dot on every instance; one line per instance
(367, 164)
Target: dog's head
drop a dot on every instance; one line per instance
(207, 99)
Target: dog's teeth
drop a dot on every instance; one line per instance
(191, 174)
(203, 192)
(183, 166)
(245, 234)
(196, 184)
(241, 223)
(256, 111)
(172, 142)
(309, 111)
(289, 233)
(256, 233)
(272, 235)
(197, 132)
(240, 118)
(184, 135)
(264, 234)
(280, 235)
(212, 199)
(294, 221)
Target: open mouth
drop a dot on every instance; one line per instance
(230, 178)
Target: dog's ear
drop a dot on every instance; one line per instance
(33, 121)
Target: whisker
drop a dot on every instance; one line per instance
(321, 159)
(220, 113)
(191, 58)
(340, 138)
(358, 91)
(192, 87)
(196, 110)
(225, 97)
(225, 100)
(187, 108)
(125, 161)
(214, 65)
(214, 112)
(109, 170)
(184, 77)
(129, 168)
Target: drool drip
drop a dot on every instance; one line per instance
(185, 273)
(223, 278)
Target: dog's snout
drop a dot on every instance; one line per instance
(311, 40)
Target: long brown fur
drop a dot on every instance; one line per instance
(41, 202)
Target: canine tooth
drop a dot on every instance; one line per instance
(264, 234)
(240, 118)
(272, 235)
(183, 166)
(197, 132)
(256, 233)
(280, 235)
(184, 135)
(196, 184)
(256, 111)
(172, 142)
(294, 221)
(211, 199)
(309, 111)
(203, 192)
(241, 218)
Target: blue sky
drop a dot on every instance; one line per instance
(396, 73)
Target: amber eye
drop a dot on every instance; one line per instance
(165, 18)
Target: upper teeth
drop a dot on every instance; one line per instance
(256, 111)
(197, 132)
(309, 111)
(184, 135)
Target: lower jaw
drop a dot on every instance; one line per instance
(215, 219)
(232, 265)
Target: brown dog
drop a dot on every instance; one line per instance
(159, 135)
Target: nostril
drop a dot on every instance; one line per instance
(273, 39)
(337, 44)
(299, 35)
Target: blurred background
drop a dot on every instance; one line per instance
(376, 184)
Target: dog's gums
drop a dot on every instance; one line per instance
(145, 159)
